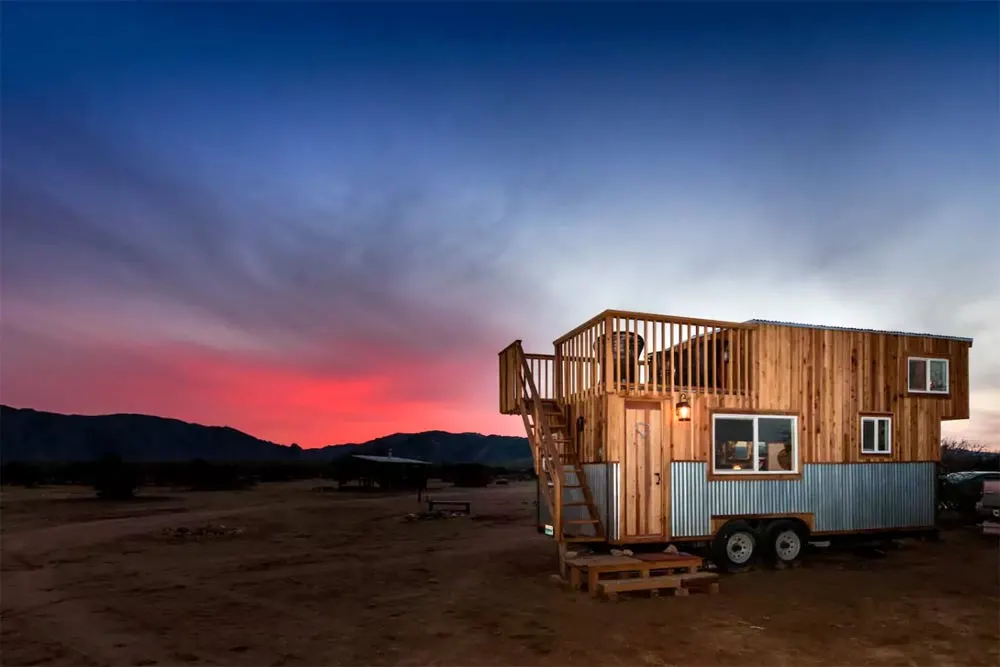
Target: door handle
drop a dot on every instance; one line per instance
(657, 478)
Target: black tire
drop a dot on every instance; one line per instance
(735, 547)
(785, 542)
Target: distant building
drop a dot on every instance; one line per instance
(383, 472)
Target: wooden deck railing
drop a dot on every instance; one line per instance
(653, 355)
(542, 367)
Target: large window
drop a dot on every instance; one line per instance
(928, 376)
(763, 444)
(876, 435)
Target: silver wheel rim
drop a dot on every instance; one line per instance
(787, 545)
(739, 548)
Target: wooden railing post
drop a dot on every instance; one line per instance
(609, 366)
(558, 372)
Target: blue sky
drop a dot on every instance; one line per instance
(325, 197)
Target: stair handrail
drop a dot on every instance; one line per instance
(536, 403)
(548, 450)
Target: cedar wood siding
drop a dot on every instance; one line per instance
(831, 377)
(828, 378)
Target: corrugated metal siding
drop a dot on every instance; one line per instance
(689, 511)
(602, 478)
(841, 496)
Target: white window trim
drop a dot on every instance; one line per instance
(875, 418)
(927, 375)
(755, 457)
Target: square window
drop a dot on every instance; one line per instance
(754, 444)
(876, 435)
(927, 376)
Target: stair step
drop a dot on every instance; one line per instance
(581, 521)
(583, 538)
(581, 503)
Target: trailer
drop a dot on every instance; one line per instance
(749, 437)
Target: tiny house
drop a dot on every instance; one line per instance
(751, 437)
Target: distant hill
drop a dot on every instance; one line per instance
(36, 436)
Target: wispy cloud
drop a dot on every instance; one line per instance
(337, 244)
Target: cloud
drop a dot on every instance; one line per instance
(74, 374)
(389, 270)
(126, 286)
(254, 236)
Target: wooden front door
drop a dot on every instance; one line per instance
(644, 480)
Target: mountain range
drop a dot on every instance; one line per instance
(35, 436)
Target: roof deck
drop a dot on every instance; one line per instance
(652, 355)
(647, 355)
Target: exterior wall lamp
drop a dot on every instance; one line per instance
(683, 409)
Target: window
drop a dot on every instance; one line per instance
(927, 376)
(736, 437)
(876, 435)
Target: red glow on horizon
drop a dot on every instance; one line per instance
(262, 399)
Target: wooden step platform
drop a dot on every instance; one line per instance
(677, 584)
(592, 568)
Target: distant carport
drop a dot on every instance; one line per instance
(385, 472)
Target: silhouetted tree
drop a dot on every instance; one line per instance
(114, 479)
(21, 474)
(470, 475)
(958, 455)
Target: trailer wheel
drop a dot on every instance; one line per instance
(786, 542)
(735, 547)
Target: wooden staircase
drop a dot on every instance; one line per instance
(556, 459)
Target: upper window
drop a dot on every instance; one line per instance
(929, 376)
(876, 435)
(755, 444)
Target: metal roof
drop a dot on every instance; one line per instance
(389, 459)
(876, 331)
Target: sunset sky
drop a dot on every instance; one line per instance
(319, 223)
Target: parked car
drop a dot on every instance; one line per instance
(961, 491)
(988, 507)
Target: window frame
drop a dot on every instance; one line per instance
(875, 419)
(755, 417)
(927, 376)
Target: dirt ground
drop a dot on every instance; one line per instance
(286, 576)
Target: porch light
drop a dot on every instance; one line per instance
(683, 409)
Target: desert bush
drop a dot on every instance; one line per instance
(114, 479)
(18, 473)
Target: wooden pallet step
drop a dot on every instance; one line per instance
(697, 578)
(679, 584)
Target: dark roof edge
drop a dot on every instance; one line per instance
(875, 331)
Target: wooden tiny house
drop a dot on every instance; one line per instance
(652, 428)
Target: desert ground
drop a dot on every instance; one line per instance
(282, 575)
